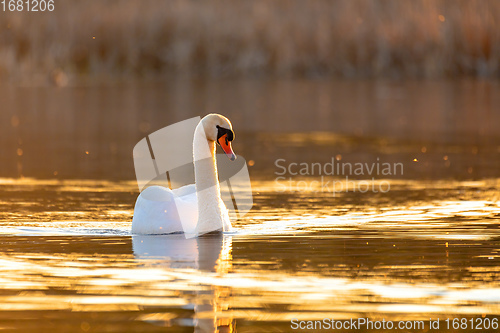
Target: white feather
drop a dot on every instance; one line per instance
(194, 209)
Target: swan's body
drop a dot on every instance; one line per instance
(160, 210)
(193, 209)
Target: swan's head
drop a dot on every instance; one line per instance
(219, 129)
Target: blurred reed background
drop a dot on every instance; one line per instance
(81, 85)
(342, 38)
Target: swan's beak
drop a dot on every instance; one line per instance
(226, 146)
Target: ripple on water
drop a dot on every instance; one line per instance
(423, 249)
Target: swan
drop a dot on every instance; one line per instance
(194, 209)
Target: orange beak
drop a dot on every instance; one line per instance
(226, 146)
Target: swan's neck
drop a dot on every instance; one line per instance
(210, 212)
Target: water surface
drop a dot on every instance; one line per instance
(428, 246)
(423, 250)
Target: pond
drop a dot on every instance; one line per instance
(68, 259)
(420, 243)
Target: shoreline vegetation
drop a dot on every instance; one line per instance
(283, 38)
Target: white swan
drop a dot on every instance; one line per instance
(194, 209)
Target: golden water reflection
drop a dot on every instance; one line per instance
(423, 250)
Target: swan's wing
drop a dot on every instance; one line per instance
(184, 190)
(186, 201)
(155, 212)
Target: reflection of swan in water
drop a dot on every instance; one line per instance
(210, 253)
(194, 209)
(202, 253)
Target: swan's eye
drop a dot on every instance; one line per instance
(221, 131)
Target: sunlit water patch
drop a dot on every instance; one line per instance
(422, 250)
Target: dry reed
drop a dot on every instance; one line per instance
(346, 38)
